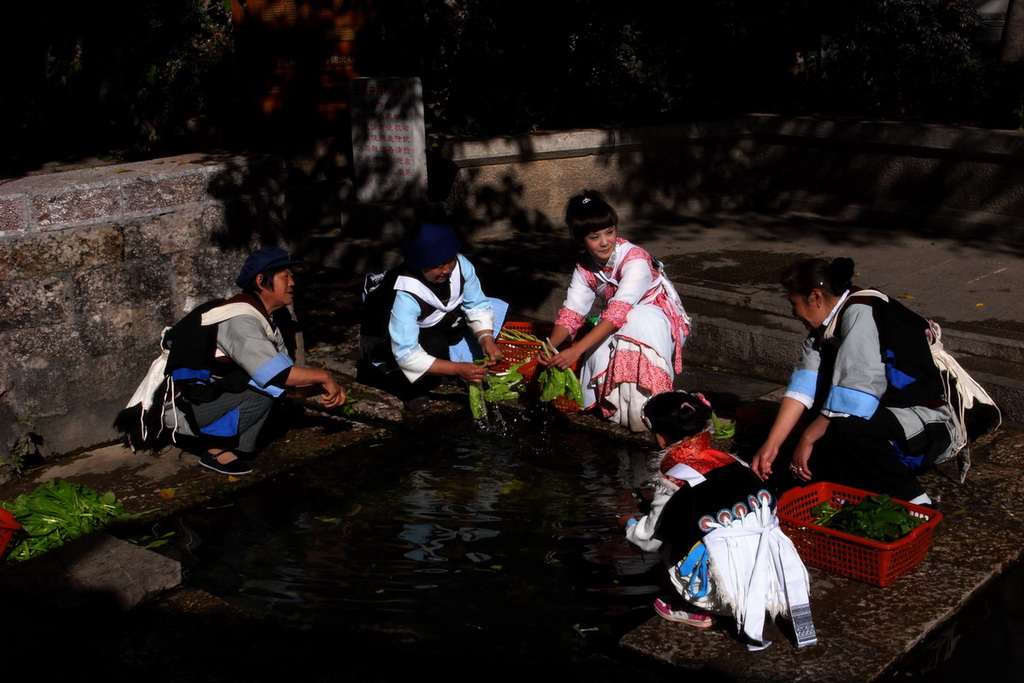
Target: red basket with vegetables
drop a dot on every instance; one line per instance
(521, 342)
(863, 559)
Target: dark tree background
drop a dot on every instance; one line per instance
(130, 79)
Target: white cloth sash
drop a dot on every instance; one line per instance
(756, 569)
(404, 283)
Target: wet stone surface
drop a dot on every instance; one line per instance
(864, 630)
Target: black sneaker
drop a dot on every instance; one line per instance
(235, 468)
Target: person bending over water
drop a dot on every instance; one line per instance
(714, 524)
(636, 348)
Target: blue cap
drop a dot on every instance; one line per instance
(432, 244)
(261, 260)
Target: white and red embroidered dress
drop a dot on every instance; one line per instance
(641, 357)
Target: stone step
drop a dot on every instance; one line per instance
(751, 333)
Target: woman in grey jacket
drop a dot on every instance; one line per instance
(867, 379)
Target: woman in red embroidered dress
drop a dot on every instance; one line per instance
(636, 348)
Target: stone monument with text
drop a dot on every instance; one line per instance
(388, 139)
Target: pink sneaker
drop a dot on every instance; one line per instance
(692, 618)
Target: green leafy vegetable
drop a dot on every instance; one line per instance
(500, 386)
(554, 382)
(519, 336)
(722, 430)
(59, 511)
(477, 407)
(876, 517)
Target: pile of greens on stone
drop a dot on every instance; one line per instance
(56, 512)
(554, 382)
(876, 517)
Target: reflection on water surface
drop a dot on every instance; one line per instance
(463, 540)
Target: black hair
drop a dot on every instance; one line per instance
(252, 286)
(677, 415)
(804, 276)
(589, 212)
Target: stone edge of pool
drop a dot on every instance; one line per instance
(862, 630)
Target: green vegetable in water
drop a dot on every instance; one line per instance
(59, 511)
(555, 383)
(502, 386)
(477, 407)
(876, 517)
(552, 384)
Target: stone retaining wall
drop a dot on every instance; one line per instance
(940, 178)
(94, 263)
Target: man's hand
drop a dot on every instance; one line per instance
(332, 394)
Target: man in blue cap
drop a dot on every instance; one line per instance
(224, 400)
(419, 311)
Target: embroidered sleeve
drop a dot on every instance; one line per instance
(858, 380)
(578, 302)
(570, 320)
(616, 312)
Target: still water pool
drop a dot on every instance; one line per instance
(455, 544)
(482, 550)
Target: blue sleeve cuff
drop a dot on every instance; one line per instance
(271, 369)
(803, 382)
(851, 402)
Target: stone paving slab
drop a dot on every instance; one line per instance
(96, 569)
(864, 630)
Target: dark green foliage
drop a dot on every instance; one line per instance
(876, 517)
(125, 79)
(895, 58)
(135, 79)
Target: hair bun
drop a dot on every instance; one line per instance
(841, 274)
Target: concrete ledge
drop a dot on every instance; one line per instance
(890, 136)
(586, 142)
(119, 192)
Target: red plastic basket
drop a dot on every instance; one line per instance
(516, 352)
(852, 556)
(8, 526)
